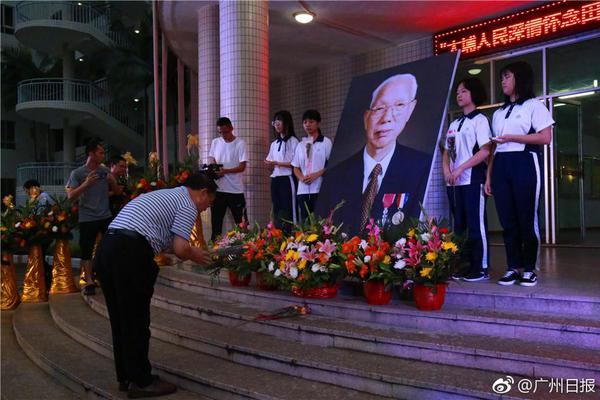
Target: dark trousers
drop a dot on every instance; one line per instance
(467, 205)
(236, 202)
(516, 185)
(127, 272)
(283, 196)
(87, 235)
(306, 201)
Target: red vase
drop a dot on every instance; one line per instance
(235, 280)
(261, 284)
(426, 300)
(377, 292)
(327, 291)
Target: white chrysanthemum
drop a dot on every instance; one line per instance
(400, 264)
(363, 244)
(400, 242)
(425, 237)
(51, 212)
(18, 224)
(271, 266)
(55, 229)
(367, 259)
(294, 272)
(344, 235)
(315, 267)
(152, 183)
(277, 272)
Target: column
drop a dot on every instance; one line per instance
(68, 72)
(244, 55)
(207, 99)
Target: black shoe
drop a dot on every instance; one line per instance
(476, 276)
(528, 279)
(510, 277)
(89, 290)
(156, 388)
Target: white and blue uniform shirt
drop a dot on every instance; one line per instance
(158, 216)
(311, 157)
(282, 150)
(465, 136)
(520, 119)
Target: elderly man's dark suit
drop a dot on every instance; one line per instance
(407, 172)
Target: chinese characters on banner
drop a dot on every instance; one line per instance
(529, 26)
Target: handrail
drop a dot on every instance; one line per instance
(78, 12)
(76, 90)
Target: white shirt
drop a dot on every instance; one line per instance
(370, 163)
(465, 136)
(282, 152)
(532, 115)
(230, 155)
(320, 151)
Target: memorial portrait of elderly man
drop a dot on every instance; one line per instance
(385, 180)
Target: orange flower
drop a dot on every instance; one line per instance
(363, 271)
(62, 216)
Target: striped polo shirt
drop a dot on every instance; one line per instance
(158, 216)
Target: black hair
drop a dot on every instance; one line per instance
(288, 124)
(224, 121)
(31, 183)
(199, 181)
(475, 86)
(311, 114)
(523, 81)
(115, 160)
(92, 145)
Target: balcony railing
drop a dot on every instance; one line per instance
(78, 12)
(76, 90)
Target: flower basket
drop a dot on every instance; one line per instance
(428, 298)
(10, 295)
(377, 292)
(326, 291)
(34, 284)
(238, 281)
(263, 283)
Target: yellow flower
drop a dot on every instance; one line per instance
(298, 236)
(387, 259)
(3, 228)
(450, 246)
(312, 237)
(230, 234)
(291, 254)
(426, 272)
(302, 264)
(192, 141)
(282, 265)
(411, 233)
(431, 256)
(283, 246)
(129, 158)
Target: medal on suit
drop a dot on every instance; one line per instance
(388, 200)
(398, 217)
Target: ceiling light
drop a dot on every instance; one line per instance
(80, 59)
(304, 17)
(571, 96)
(559, 104)
(474, 71)
(595, 82)
(136, 100)
(136, 31)
(80, 4)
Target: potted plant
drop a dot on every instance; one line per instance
(376, 262)
(429, 252)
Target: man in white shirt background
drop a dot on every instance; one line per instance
(231, 152)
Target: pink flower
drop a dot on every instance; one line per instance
(373, 228)
(327, 247)
(327, 229)
(414, 249)
(310, 255)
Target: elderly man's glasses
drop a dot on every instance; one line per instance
(396, 108)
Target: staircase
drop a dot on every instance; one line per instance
(206, 340)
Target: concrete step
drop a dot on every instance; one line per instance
(198, 372)
(536, 327)
(75, 366)
(337, 363)
(21, 378)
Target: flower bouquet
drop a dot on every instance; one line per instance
(376, 262)
(429, 253)
(309, 261)
(268, 241)
(229, 250)
(150, 180)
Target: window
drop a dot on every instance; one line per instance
(8, 135)
(574, 66)
(7, 17)
(534, 59)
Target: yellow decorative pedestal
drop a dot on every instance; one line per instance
(10, 295)
(197, 236)
(34, 285)
(163, 260)
(62, 271)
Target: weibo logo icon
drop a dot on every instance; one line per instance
(503, 385)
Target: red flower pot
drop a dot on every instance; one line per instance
(235, 280)
(261, 284)
(426, 300)
(327, 291)
(377, 292)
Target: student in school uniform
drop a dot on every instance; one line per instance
(309, 162)
(283, 181)
(519, 128)
(466, 148)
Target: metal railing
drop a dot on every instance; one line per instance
(52, 176)
(78, 12)
(77, 90)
